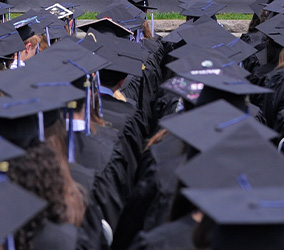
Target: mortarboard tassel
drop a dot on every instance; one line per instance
(9, 14)
(98, 80)
(40, 126)
(244, 182)
(19, 59)
(10, 242)
(152, 24)
(232, 122)
(3, 18)
(93, 94)
(71, 143)
(47, 36)
(87, 85)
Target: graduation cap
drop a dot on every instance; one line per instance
(193, 58)
(257, 6)
(219, 83)
(243, 220)
(125, 55)
(189, 90)
(125, 14)
(24, 28)
(142, 5)
(106, 25)
(5, 8)
(17, 208)
(240, 163)
(276, 6)
(219, 39)
(205, 126)
(59, 10)
(9, 150)
(199, 9)
(274, 28)
(10, 40)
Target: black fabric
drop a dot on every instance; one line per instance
(273, 106)
(171, 235)
(56, 237)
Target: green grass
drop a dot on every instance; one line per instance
(168, 16)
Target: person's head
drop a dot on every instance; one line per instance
(112, 79)
(147, 30)
(31, 47)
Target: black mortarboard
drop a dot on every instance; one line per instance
(38, 20)
(174, 36)
(196, 58)
(10, 40)
(106, 25)
(202, 127)
(199, 9)
(259, 206)
(243, 220)
(187, 89)
(17, 207)
(125, 14)
(125, 55)
(274, 28)
(257, 6)
(242, 158)
(22, 26)
(143, 5)
(219, 39)
(276, 6)
(9, 151)
(5, 8)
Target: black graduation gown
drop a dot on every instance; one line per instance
(135, 128)
(109, 186)
(56, 237)
(175, 235)
(91, 232)
(273, 106)
(149, 204)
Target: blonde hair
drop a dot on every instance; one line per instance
(146, 30)
(119, 96)
(34, 40)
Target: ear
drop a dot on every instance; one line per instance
(28, 47)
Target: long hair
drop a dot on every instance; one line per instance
(39, 172)
(74, 193)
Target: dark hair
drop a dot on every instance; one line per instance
(39, 172)
(110, 78)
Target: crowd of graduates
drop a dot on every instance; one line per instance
(126, 140)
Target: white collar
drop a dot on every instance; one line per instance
(78, 125)
(14, 64)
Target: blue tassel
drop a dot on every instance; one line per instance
(71, 139)
(152, 24)
(10, 242)
(232, 121)
(41, 126)
(244, 182)
(98, 80)
(47, 36)
(87, 107)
